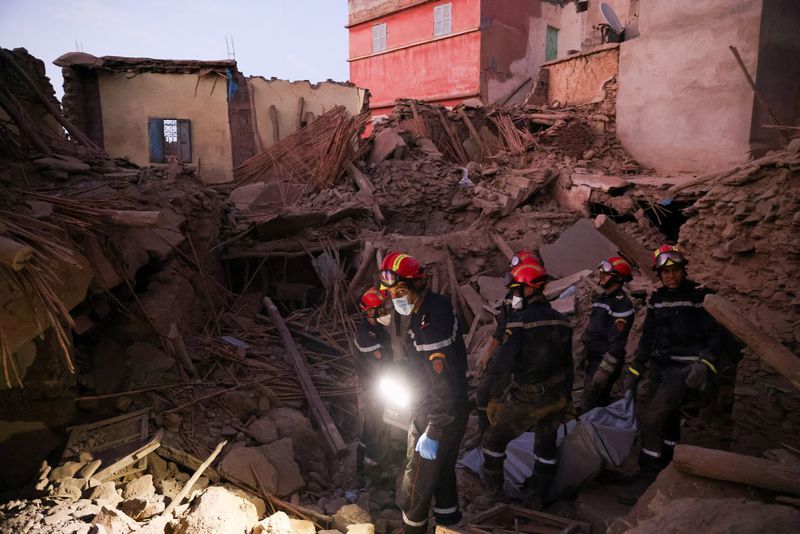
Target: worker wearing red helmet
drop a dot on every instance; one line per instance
(679, 344)
(606, 333)
(374, 353)
(438, 365)
(499, 382)
(537, 351)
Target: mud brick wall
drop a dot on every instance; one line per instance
(741, 240)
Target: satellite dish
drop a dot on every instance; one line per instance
(611, 17)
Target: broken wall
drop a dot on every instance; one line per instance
(580, 79)
(741, 240)
(684, 104)
(513, 35)
(129, 101)
(778, 74)
(285, 96)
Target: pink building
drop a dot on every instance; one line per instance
(447, 51)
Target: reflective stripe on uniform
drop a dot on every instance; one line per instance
(362, 444)
(369, 461)
(440, 344)
(654, 454)
(538, 324)
(493, 454)
(481, 408)
(411, 523)
(549, 461)
(442, 511)
(367, 349)
(685, 358)
(677, 304)
(670, 443)
(610, 311)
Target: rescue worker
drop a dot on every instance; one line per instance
(679, 344)
(438, 367)
(375, 352)
(606, 333)
(499, 383)
(537, 351)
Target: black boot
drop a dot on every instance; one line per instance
(361, 480)
(535, 490)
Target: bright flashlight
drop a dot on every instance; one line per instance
(394, 391)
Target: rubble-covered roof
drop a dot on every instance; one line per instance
(142, 64)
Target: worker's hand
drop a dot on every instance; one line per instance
(632, 376)
(697, 374)
(600, 378)
(493, 410)
(427, 447)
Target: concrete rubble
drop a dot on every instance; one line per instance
(172, 322)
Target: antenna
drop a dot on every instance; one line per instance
(230, 47)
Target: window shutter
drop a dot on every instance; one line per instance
(442, 19)
(184, 140)
(379, 37)
(156, 133)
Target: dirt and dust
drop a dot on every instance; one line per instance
(174, 323)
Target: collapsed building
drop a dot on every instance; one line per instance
(177, 324)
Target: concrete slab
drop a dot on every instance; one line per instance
(580, 247)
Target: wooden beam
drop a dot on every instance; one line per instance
(318, 409)
(364, 268)
(366, 192)
(13, 254)
(629, 246)
(20, 118)
(767, 348)
(135, 456)
(139, 219)
(289, 247)
(188, 486)
(732, 467)
(502, 246)
(178, 348)
(74, 132)
(273, 118)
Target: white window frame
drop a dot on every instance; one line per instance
(379, 37)
(442, 19)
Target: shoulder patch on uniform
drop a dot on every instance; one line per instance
(438, 365)
(620, 324)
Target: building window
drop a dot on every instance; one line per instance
(551, 44)
(379, 37)
(442, 19)
(170, 139)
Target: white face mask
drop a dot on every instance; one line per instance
(516, 302)
(384, 319)
(402, 305)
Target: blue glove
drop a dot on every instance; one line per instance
(427, 447)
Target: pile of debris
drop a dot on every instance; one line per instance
(208, 370)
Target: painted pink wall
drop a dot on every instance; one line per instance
(443, 69)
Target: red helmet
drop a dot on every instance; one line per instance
(397, 267)
(666, 255)
(372, 298)
(528, 274)
(523, 257)
(617, 266)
